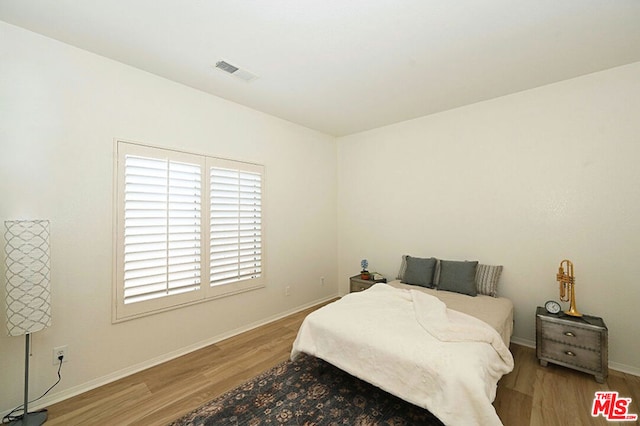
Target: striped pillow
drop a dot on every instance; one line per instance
(487, 276)
(403, 268)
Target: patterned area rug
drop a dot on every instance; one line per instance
(309, 392)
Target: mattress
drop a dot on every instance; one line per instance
(495, 311)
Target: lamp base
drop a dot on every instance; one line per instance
(31, 419)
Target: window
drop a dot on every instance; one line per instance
(189, 228)
(236, 217)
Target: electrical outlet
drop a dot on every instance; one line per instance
(287, 291)
(60, 351)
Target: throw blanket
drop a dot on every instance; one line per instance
(409, 344)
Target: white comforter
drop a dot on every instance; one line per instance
(409, 344)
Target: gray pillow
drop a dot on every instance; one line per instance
(459, 277)
(419, 271)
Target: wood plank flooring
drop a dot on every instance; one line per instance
(553, 395)
(530, 395)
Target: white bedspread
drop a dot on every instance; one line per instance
(409, 344)
(495, 311)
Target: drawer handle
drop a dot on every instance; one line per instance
(569, 353)
(569, 334)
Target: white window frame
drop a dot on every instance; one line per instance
(125, 310)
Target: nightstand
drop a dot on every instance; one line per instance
(358, 284)
(580, 343)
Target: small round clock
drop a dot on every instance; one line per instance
(552, 307)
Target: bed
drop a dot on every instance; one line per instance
(440, 350)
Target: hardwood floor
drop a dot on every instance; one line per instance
(530, 395)
(553, 395)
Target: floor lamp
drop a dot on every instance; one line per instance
(28, 292)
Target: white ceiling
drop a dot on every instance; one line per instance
(344, 66)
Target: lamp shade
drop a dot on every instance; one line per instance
(28, 292)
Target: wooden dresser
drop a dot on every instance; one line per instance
(580, 343)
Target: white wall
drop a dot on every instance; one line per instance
(524, 181)
(60, 110)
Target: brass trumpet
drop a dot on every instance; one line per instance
(567, 287)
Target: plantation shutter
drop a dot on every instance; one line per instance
(189, 228)
(235, 223)
(162, 228)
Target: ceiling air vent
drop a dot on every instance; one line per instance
(236, 71)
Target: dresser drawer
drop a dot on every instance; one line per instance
(357, 286)
(572, 335)
(572, 355)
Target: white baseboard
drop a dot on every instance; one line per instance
(623, 368)
(523, 342)
(101, 381)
